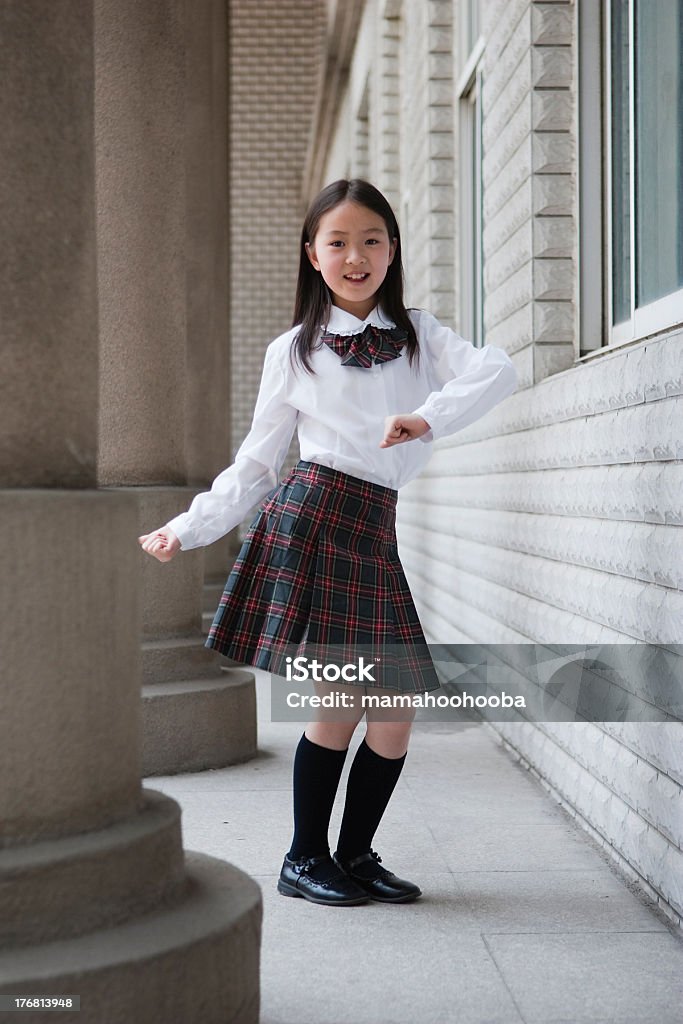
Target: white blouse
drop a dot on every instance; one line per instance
(339, 414)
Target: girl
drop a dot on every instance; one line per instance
(368, 385)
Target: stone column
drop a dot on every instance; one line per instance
(161, 123)
(96, 896)
(208, 448)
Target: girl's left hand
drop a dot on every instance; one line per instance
(404, 427)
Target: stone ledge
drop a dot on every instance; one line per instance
(194, 724)
(65, 887)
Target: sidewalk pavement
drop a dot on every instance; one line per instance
(522, 917)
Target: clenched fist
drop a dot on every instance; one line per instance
(162, 544)
(403, 427)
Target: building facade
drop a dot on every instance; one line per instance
(540, 212)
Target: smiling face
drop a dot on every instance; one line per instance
(352, 250)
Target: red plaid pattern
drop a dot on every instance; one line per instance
(319, 569)
(372, 345)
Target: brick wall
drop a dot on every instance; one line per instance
(274, 58)
(557, 518)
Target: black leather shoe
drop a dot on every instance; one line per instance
(330, 885)
(379, 883)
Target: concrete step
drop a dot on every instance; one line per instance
(211, 596)
(195, 963)
(178, 658)
(190, 725)
(79, 883)
(211, 599)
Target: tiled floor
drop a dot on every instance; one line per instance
(522, 918)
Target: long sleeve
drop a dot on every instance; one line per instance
(473, 380)
(255, 470)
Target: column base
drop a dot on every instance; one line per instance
(61, 888)
(197, 963)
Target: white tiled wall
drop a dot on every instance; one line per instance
(557, 518)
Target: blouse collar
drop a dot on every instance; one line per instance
(341, 322)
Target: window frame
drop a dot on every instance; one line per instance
(468, 91)
(597, 332)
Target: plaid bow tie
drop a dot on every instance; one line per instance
(372, 345)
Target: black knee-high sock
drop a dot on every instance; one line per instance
(371, 782)
(317, 771)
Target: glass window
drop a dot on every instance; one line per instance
(659, 149)
(470, 312)
(473, 23)
(644, 63)
(621, 191)
(470, 321)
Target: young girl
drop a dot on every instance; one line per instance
(368, 385)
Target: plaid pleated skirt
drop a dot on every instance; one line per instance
(319, 575)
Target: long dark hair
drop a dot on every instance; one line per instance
(313, 301)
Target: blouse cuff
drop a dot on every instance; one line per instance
(182, 532)
(428, 416)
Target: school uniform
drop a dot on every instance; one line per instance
(319, 569)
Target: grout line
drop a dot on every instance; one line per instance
(620, 931)
(502, 977)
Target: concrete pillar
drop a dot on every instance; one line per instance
(97, 898)
(161, 142)
(207, 165)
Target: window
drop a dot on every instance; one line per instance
(405, 226)
(643, 60)
(361, 154)
(468, 93)
(469, 28)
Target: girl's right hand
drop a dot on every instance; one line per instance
(162, 544)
